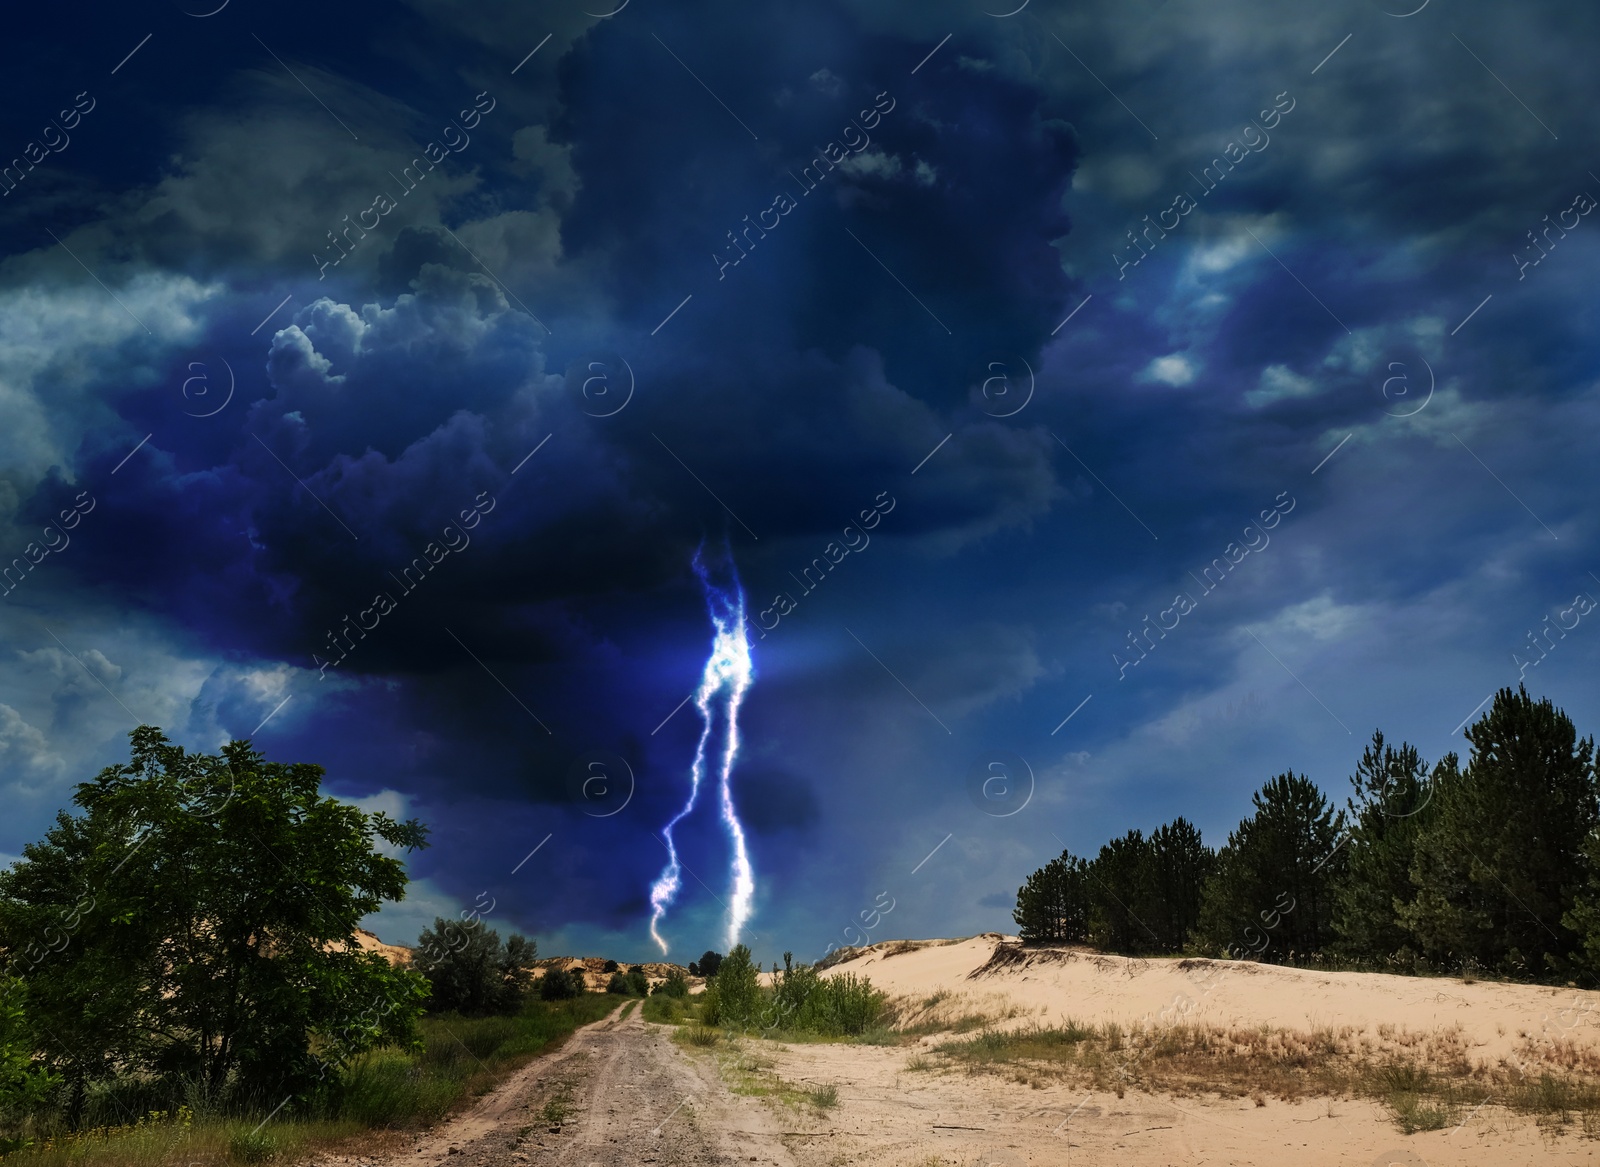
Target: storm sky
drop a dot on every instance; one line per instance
(1105, 407)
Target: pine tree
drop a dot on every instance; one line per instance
(1392, 801)
(1500, 865)
(1052, 907)
(1180, 863)
(1120, 895)
(1272, 891)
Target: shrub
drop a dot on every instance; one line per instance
(617, 984)
(840, 1005)
(676, 985)
(558, 984)
(470, 971)
(610, 966)
(734, 997)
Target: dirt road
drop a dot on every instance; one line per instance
(618, 1094)
(622, 1093)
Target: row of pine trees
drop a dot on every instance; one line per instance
(1493, 866)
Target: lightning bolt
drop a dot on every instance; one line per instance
(727, 677)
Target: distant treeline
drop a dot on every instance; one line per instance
(1492, 866)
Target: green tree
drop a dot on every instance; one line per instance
(1179, 865)
(558, 984)
(1053, 905)
(708, 964)
(24, 1079)
(1390, 804)
(1121, 894)
(675, 985)
(734, 996)
(1503, 863)
(470, 971)
(1272, 890)
(203, 907)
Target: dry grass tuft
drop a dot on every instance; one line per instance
(1426, 1079)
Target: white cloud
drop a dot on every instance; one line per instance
(63, 346)
(873, 164)
(1279, 383)
(828, 82)
(1175, 369)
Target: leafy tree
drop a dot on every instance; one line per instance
(632, 981)
(610, 966)
(202, 907)
(734, 997)
(86, 1022)
(1272, 890)
(24, 1079)
(1053, 905)
(675, 985)
(558, 984)
(1500, 868)
(710, 962)
(470, 970)
(1391, 803)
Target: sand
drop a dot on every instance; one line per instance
(1497, 1021)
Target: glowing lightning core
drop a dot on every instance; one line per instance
(728, 674)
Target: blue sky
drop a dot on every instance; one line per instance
(1008, 327)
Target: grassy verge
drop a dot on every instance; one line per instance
(461, 1057)
(665, 1010)
(384, 1094)
(1427, 1083)
(747, 1071)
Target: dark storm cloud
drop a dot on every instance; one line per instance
(847, 347)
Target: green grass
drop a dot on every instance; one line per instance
(382, 1090)
(665, 1010)
(254, 1146)
(824, 1097)
(461, 1056)
(627, 1009)
(165, 1140)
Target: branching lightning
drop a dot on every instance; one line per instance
(728, 674)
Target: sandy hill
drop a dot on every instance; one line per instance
(592, 969)
(995, 976)
(397, 954)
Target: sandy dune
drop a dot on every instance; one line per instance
(1497, 1021)
(897, 1106)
